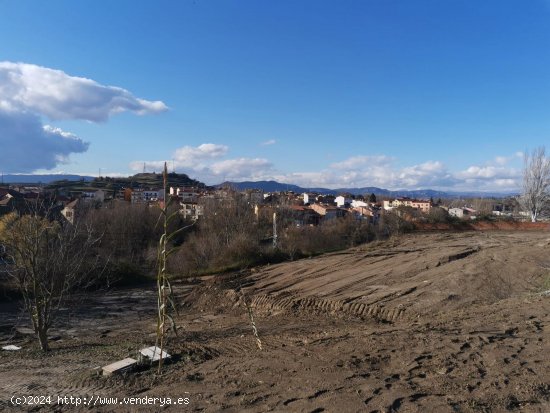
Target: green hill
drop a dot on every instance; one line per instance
(110, 184)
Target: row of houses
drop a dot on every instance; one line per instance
(314, 208)
(463, 212)
(422, 205)
(19, 199)
(307, 208)
(314, 214)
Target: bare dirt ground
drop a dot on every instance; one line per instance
(438, 322)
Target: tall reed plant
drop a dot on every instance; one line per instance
(165, 293)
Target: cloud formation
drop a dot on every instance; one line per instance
(242, 168)
(58, 96)
(189, 155)
(374, 170)
(205, 162)
(269, 142)
(384, 172)
(28, 145)
(194, 158)
(492, 177)
(29, 92)
(362, 161)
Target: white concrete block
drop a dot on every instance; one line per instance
(11, 347)
(121, 366)
(153, 353)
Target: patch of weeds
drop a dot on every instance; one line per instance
(545, 284)
(195, 377)
(478, 406)
(543, 390)
(512, 403)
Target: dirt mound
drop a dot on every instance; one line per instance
(431, 322)
(222, 294)
(417, 275)
(499, 225)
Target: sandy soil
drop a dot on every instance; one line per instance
(438, 322)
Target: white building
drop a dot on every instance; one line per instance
(186, 194)
(70, 211)
(192, 210)
(342, 201)
(309, 198)
(422, 205)
(98, 195)
(357, 203)
(147, 195)
(153, 195)
(456, 212)
(463, 213)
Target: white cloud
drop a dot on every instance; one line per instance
(505, 183)
(500, 173)
(378, 170)
(362, 161)
(429, 168)
(27, 145)
(501, 160)
(190, 156)
(490, 177)
(242, 168)
(382, 171)
(269, 142)
(505, 160)
(479, 172)
(428, 174)
(56, 95)
(205, 163)
(320, 179)
(29, 92)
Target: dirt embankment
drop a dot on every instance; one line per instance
(414, 276)
(484, 226)
(442, 322)
(430, 322)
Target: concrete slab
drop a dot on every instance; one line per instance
(153, 353)
(121, 366)
(25, 330)
(11, 347)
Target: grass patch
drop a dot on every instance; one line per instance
(545, 283)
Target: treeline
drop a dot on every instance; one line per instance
(128, 239)
(230, 235)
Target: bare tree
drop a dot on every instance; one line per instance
(535, 196)
(48, 260)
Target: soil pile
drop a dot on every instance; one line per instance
(434, 322)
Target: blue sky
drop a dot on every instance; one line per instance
(397, 94)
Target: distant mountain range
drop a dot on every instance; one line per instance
(266, 186)
(43, 179)
(273, 186)
(140, 180)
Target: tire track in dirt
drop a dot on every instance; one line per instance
(354, 308)
(413, 276)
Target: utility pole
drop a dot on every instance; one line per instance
(274, 230)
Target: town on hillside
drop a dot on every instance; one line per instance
(308, 208)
